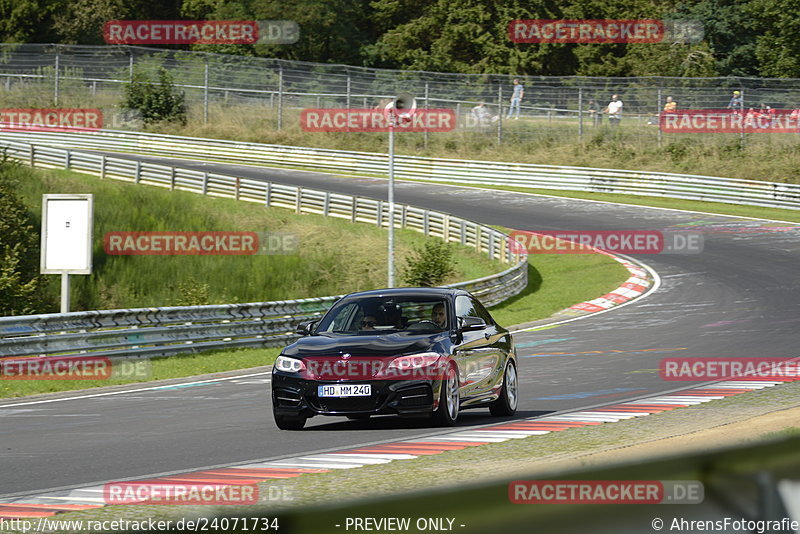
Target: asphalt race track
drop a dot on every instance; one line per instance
(737, 298)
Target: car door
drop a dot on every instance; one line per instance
(474, 355)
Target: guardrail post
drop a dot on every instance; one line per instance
(138, 175)
(326, 207)
(299, 204)
(33, 156)
(379, 214)
(446, 228)
(67, 155)
(355, 210)
(426, 222)
(268, 194)
(205, 183)
(172, 173)
(236, 191)
(102, 167)
(403, 216)
(478, 238)
(463, 232)
(491, 245)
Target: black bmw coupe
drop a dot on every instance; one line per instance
(422, 352)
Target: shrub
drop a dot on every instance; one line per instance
(155, 101)
(429, 266)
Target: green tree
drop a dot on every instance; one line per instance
(778, 41)
(20, 281)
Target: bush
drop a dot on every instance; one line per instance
(429, 266)
(155, 101)
(20, 281)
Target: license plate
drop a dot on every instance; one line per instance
(345, 390)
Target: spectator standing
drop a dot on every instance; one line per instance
(671, 106)
(737, 102)
(516, 98)
(614, 110)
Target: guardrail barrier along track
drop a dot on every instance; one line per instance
(172, 330)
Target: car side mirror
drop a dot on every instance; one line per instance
(306, 328)
(470, 323)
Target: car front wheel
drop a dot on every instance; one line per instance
(506, 404)
(449, 400)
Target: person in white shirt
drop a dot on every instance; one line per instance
(614, 110)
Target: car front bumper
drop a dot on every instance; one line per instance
(293, 396)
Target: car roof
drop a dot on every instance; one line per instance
(409, 292)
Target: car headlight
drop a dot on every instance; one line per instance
(289, 365)
(422, 366)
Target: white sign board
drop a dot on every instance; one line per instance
(66, 234)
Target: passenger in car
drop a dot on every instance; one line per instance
(439, 315)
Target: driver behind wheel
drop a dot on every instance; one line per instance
(439, 315)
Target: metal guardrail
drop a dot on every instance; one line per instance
(172, 330)
(657, 184)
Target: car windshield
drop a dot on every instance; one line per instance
(380, 315)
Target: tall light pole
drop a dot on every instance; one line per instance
(401, 108)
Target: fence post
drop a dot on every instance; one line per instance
(130, 67)
(425, 134)
(55, 76)
(280, 96)
(658, 114)
(205, 91)
(348, 91)
(741, 134)
(500, 114)
(580, 112)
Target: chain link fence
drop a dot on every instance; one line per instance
(561, 105)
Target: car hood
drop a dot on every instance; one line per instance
(399, 344)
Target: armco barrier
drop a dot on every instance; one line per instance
(657, 184)
(172, 330)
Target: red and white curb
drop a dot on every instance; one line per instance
(639, 283)
(48, 504)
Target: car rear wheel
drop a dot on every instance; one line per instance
(449, 400)
(289, 423)
(506, 404)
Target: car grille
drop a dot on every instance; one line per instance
(353, 404)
